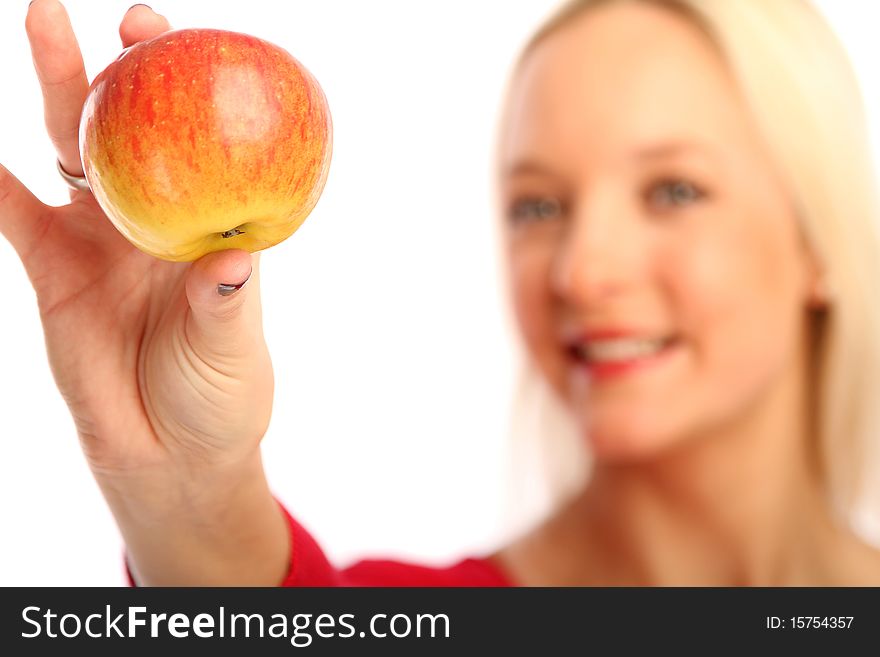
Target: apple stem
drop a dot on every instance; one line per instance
(232, 233)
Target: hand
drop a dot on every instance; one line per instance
(159, 370)
(169, 382)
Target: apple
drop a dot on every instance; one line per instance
(200, 140)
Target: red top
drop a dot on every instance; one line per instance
(309, 566)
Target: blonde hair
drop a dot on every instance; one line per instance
(803, 94)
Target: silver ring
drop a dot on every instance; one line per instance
(76, 183)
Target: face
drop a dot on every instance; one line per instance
(656, 265)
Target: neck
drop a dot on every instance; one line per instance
(742, 506)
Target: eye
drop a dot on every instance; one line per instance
(534, 209)
(673, 194)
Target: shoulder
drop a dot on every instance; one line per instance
(470, 571)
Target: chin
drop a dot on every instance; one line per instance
(634, 439)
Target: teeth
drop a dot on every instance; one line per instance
(609, 351)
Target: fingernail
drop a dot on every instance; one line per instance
(140, 4)
(225, 289)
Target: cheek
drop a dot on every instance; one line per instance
(738, 296)
(529, 276)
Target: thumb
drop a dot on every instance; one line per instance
(224, 303)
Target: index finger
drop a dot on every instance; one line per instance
(60, 69)
(141, 23)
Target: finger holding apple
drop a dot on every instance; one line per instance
(61, 72)
(141, 23)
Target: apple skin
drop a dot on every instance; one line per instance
(201, 140)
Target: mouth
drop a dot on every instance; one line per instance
(613, 357)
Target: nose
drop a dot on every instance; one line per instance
(600, 255)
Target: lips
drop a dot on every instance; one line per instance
(619, 350)
(615, 352)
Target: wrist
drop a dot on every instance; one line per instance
(202, 526)
(169, 492)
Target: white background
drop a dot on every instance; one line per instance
(385, 312)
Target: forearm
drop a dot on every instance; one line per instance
(201, 527)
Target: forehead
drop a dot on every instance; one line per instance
(619, 77)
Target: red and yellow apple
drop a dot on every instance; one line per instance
(202, 140)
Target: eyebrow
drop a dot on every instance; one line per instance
(672, 149)
(658, 151)
(529, 167)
